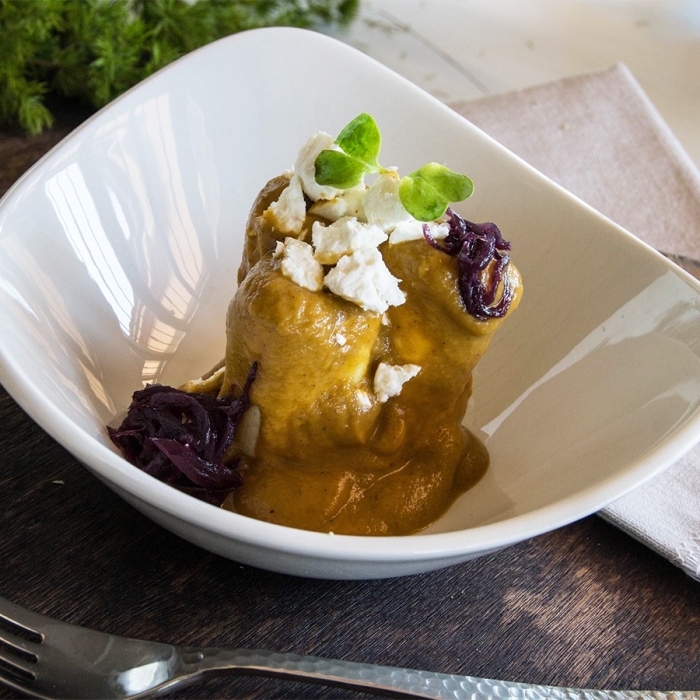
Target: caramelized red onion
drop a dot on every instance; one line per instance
(476, 246)
(181, 438)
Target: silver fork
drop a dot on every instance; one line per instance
(44, 658)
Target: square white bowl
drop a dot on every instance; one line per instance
(118, 257)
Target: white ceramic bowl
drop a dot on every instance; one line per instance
(118, 257)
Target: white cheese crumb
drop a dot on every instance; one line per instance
(363, 398)
(343, 237)
(305, 166)
(299, 265)
(289, 211)
(347, 203)
(413, 231)
(340, 339)
(364, 279)
(389, 379)
(382, 203)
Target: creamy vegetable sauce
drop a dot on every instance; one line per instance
(330, 455)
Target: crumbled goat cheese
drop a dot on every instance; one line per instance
(305, 167)
(382, 204)
(413, 231)
(360, 219)
(364, 279)
(299, 265)
(340, 339)
(347, 203)
(363, 398)
(389, 379)
(289, 211)
(343, 237)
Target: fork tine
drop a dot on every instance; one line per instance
(16, 647)
(22, 620)
(19, 666)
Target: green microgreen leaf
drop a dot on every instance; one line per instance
(454, 186)
(338, 169)
(427, 192)
(361, 140)
(420, 199)
(360, 143)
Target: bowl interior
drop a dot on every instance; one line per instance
(119, 251)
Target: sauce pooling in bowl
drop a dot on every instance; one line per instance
(333, 454)
(361, 312)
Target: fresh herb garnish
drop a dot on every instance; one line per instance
(360, 143)
(95, 49)
(180, 438)
(425, 193)
(476, 246)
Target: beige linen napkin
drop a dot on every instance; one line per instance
(601, 138)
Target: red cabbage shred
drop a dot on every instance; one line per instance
(180, 438)
(475, 246)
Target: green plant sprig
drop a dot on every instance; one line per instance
(93, 50)
(425, 193)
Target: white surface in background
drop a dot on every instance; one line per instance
(466, 49)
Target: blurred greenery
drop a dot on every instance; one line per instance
(93, 50)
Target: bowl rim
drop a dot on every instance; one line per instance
(111, 467)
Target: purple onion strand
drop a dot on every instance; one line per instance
(476, 246)
(181, 438)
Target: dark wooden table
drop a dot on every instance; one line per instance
(582, 606)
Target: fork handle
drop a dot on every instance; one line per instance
(396, 682)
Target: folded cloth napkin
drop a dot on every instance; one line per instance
(600, 137)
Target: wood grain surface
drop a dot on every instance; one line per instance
(582, 606)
